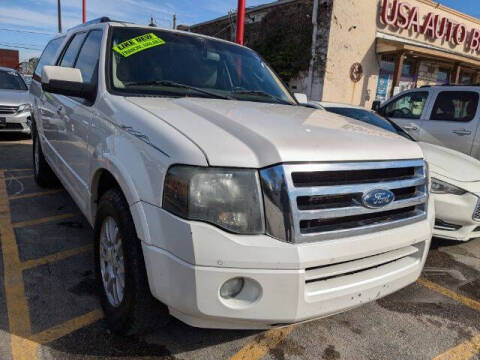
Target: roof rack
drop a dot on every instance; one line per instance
(99, 20)
(452, 85)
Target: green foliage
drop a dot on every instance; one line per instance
(285, 43)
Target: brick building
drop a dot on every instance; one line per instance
(9, 58)
(364, 50)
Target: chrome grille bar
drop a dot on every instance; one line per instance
(316, 221)
(8, 109)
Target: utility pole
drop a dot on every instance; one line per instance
(313, 60)
(174, 21)
(240, 22)
(84, 11)
(59, 13)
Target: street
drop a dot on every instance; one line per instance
(49, 308)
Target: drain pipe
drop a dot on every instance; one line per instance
(314, 48)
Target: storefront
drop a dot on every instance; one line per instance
(399, 45)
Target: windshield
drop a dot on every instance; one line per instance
(370, 118)
(163, 63)
(11, 80)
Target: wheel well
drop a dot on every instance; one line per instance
(106, 181)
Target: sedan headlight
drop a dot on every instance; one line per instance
(228, 198)
(24, 107)
(441, 187)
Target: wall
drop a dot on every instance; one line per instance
(352, 39)
(9, 58)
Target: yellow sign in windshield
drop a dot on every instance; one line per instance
(138, 44)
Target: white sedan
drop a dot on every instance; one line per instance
(455, 178)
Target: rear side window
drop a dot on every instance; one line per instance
(48, 56)
(88, 58)
(459, 106)
(71, 53)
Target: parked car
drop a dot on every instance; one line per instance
(441, 115)
(211, 190)
(455, 178)
(14, 102)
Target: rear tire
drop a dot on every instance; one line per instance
(125, 295)
(43, 173)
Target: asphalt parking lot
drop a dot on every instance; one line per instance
(49, 310)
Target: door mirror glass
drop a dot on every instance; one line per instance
(65, 81)
(301, 98)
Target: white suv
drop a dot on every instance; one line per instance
(212, 189)
(442, 115)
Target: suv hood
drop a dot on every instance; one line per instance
(13, 97)
(251, 134)
(450, 163)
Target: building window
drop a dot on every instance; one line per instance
(443, 76)
(460, 106)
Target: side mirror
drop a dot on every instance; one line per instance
(65, 81)
(301, 98)
(376, 105)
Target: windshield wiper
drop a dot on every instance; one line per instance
(262, 93)
(177, 85)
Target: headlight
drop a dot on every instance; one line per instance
(441, 187)
(228, 198)
(24, 107)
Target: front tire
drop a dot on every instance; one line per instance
(125, 295)
(43, 173)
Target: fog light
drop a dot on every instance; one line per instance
(232, 288)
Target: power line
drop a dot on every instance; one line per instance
(29, 32)
(19, 47)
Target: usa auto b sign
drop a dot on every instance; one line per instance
(402, 15)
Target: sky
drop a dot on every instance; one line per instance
(27, 25)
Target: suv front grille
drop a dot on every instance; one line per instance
(6, 110)
(324, 201)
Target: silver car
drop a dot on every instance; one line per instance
(14, 102)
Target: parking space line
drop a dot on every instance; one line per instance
(471, 303)
(41, 193)
(28, 264)
(19, 324)
(10, 178)
(465, 351)
(59, 331)
(259, 348)
(44, 220)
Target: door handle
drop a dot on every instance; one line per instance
(462, 132)
(410, 127)
(85, 122)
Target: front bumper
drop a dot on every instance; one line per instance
(188, 262)
(455, 216)
(16, 123)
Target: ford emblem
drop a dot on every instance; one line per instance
(378, 198)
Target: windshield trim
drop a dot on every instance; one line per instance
(112, 90)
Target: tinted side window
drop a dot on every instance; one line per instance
(71, 53)
(89, 56)
(48, 56)
(408, 106)
(458, 106)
